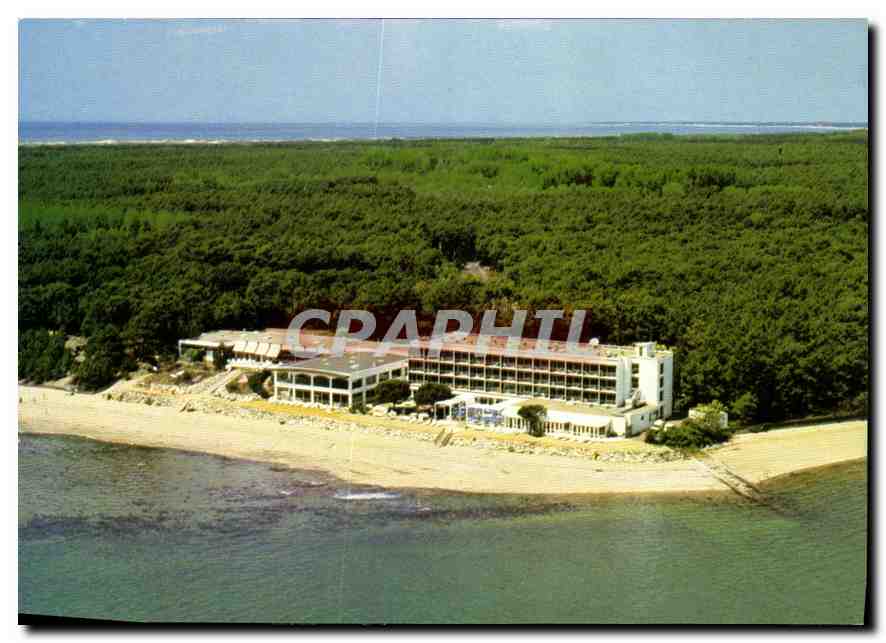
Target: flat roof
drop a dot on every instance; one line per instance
(350, 364)
(313, 342)
(579, 408)
(527, 347)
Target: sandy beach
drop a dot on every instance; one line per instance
(762, 456)
(377, 459)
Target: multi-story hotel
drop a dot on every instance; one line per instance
(612, 376)
(595, 391)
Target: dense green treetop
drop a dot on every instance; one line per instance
(746, 255)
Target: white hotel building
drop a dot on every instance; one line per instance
(596, 391)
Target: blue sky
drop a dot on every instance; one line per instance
(443, 71)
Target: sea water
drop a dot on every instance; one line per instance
(119, 532)
(106, 133)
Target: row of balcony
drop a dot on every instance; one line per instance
(537, 378)
(515, 362)
(553, 392)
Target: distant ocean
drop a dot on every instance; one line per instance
(109, 133)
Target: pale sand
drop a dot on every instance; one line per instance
(366, 458)
(761, 456)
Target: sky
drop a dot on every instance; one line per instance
(542, 72)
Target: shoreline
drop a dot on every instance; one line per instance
(369, 458)
(461, 131)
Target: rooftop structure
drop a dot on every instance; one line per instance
(345, 365)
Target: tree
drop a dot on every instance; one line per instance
(430, 393)
(745, 407)
(42, 356)
(391, 392)
(535, 415)
(104, 359)
(760, 269)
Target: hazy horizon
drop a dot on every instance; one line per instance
(446, 123)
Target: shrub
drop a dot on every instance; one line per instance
(358, 408)
(195, 355)
(691, 434)
(233, 386)
(256, 382)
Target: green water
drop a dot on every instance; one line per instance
(129, 533)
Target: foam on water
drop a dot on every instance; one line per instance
(34, 133)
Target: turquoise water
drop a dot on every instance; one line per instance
(116, 532)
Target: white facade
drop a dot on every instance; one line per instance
(337, 382)
(616, 377)
(654, 378)
(580, 422)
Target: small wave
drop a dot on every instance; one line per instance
(367, 495)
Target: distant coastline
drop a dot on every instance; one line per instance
(98, 133)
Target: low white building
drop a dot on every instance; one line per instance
(561, 419)
(335, 381)
(700, 411)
